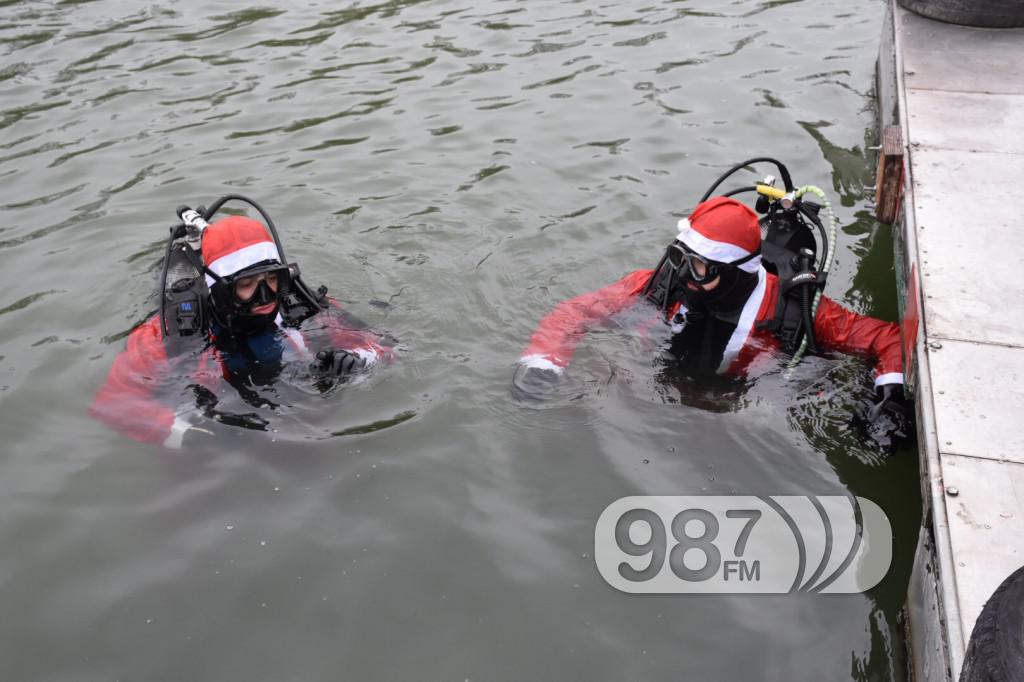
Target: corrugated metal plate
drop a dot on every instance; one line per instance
(986, 526)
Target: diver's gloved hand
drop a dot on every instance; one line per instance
(890, 420)
(534, 384)
(338, 363)
(207, 401)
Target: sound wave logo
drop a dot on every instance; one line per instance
(752, 545)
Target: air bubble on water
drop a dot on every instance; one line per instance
(277, 489)
(575, 586)
(263, 604)
(647, 461)
(703, 490)
(230, 527)
(373, 466)
(325, 599)
(263, 543)
(148, 621)
(585, 555)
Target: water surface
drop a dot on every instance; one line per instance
(470, 164)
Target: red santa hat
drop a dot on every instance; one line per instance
(723, 230)
(234, 244)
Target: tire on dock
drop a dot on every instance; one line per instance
(996, 650)
(980, 13)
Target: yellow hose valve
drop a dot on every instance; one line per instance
(771, 192)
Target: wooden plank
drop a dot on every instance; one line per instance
(889, 180)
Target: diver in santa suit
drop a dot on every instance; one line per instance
(724, 310)
(245, 318)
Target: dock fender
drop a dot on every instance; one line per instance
(979, 13)
(996, 650)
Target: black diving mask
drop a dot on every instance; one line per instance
(255, 287)
(694, 267)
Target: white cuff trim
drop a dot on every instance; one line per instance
(367, 354)
(540, 362)
(178, 429)
(889, 378)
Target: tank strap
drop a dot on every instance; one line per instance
(788, 323)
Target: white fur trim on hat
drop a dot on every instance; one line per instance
(723, 252)
(235, 261)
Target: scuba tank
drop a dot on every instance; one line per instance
(185, 308)
(789, 250)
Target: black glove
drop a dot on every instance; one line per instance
(534, 384)
(206, 401)
(890, 420)
(338, 363)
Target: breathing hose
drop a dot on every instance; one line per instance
(826, 265)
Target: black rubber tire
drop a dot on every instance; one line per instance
(980, 13)
(996, 650)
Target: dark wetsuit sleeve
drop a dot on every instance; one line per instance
(558, 334)
(126, 401)
(837, 328)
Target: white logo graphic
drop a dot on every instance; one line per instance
(743, 544)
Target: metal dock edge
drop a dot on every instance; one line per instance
(957, 95)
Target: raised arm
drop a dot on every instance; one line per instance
(553, 343)
(843, 330)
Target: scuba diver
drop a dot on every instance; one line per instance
(729, 296)
(231, 309)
